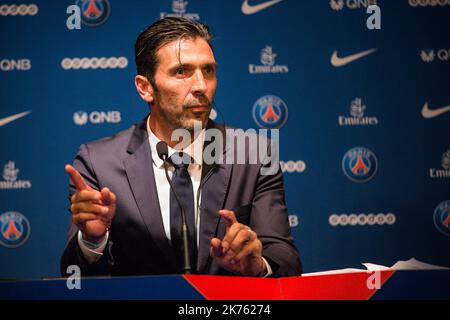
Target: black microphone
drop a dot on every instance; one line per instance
(163, 154)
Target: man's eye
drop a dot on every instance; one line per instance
(209, 70)
(180, 71)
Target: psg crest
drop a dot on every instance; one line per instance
(359, 164)
(94, 12)
(442, 217)
(270, 112)
(15, 229)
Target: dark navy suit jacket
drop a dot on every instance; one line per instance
(138, 245)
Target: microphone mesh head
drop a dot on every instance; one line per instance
(163, 151)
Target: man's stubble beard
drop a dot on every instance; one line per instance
(182, 121)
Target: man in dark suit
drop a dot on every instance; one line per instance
(125, 217)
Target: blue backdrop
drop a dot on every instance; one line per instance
(364, 127)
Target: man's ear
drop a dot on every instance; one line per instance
(144, 88)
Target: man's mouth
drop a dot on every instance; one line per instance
(199, 108)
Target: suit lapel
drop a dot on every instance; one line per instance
(214, 186)
(139, 169)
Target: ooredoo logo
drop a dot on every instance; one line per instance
(362, 219)
(292, 166)
(94, 63)
(429, 3)
(18, 10)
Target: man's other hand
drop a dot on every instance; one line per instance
(92, 210)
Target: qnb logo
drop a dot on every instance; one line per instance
(10, 181)
(15, 64)
(81, 118)
(357, 109)
(359, 164)
(338, 5)
(268, 63)
(94, 63)
(293, 221)
(18, 10)
(362, 219)
(15, 229)
(270, 112)
(179, 8)
(429, 3)
(427, 55)
(292, 166)
(442, 217)
(430, 55)
(445, 171)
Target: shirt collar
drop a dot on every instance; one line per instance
(195, 149)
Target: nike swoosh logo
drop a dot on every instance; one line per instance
(339, 62)
(248, 9)
(427, 113)
(12, 118)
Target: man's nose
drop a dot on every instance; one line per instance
(199, 83)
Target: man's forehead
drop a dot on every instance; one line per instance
(182, 49)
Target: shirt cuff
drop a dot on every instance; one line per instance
(92, 252)
(269, 269)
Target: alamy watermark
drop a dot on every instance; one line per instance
(374, 20)
(233, 146)
(74, 280)
(374, 280)
(74, 19)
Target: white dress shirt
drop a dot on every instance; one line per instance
(195, 150)
(93, 252)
